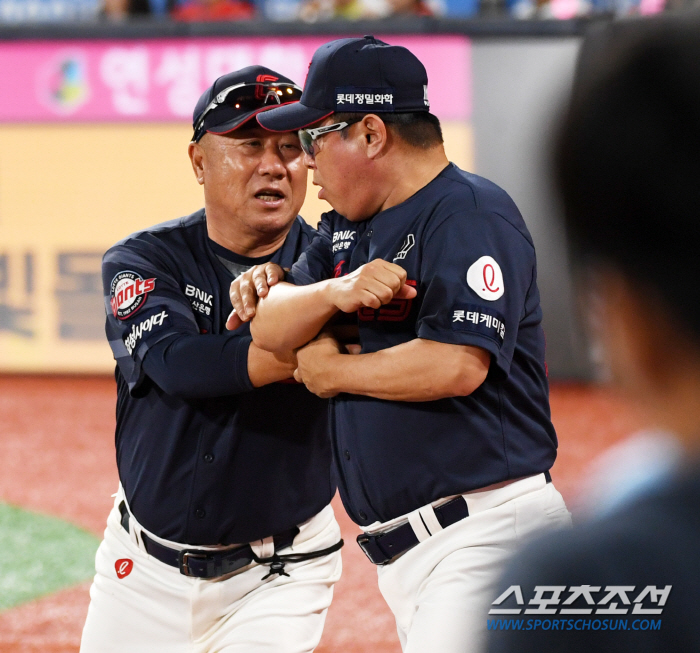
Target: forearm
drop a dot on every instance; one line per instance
(199, 366)
(267, 367)
(290, 316)
(419, 370)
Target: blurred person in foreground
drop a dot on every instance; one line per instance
(628, 164)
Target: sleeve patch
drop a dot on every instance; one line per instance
(128, 293)
(201, 301)
(156, 321)
(486, 279)
(479, 319)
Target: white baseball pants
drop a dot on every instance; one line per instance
(440, 591)
(153, 608)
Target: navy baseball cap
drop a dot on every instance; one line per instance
(362, 75)
(235, 98)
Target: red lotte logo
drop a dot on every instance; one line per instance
(128, 293)
(485, 278)
(123, 567)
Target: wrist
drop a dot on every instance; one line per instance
(335, 373)
(328, 294)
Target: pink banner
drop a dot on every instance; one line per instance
(161, 80)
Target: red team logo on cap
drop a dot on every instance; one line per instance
(128, 293)
(260, 92)
(123, 567)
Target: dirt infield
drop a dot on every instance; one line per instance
(57, 457)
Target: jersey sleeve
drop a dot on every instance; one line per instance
(316, 262)
(200, 366)
(150, 319)
(476, 273)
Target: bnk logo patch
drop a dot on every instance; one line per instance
(123, 567)
(128, 293)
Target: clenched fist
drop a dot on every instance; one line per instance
(374, 284)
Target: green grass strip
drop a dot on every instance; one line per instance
(40, 555)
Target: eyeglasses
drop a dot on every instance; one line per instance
(308, 136)
(247, 97)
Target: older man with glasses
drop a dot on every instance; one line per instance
(440, 425)
(221, 537)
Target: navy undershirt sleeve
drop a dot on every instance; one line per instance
(161, 339)
(199, 366)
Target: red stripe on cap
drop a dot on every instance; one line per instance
(252, 115)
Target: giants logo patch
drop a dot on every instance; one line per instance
(128, 293)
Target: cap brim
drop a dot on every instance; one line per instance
(231, 125)
(240, 121)
(290, 117)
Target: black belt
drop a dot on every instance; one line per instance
(201, 563)
(384, 547)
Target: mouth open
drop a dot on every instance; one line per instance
(271, 195)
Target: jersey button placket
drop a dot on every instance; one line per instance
(208, 457)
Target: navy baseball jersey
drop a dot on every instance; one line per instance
(466, 249)
(204, 457)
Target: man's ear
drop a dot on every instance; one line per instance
(197, 158)
(375, 134)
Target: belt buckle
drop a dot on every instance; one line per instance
(362, 540)
(184, 559)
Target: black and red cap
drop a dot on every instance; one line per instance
(359, 75)
(236, 98)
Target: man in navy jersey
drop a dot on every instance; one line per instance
(222, 537)
(441, 425)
